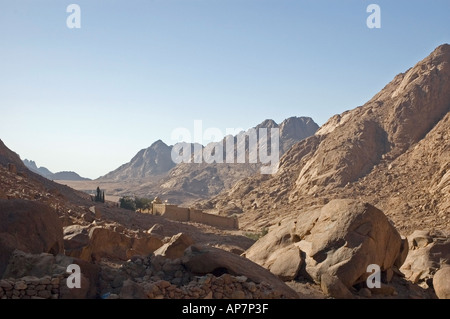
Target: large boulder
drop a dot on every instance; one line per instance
(286, 262)
(202, 260)
(175, 247)
(426, 256)
(39, 265)
(338, 240)
(441, 283)
(28, 226)
(98, 242)
(76, 237)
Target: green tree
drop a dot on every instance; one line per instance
(142, 202)
(100, 196)
(127, 203)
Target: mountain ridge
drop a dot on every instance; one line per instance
(364, 152)
(187, 182)
(45, 172)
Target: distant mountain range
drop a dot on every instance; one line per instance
(152, 172)
(59, 176)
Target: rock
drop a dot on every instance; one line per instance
(175, 247)
(419, 238)
(96, 211)
(340, 239)
(422, 262)
(441, 283)
(20, 285)
(384, 289)
(365, 292)
(387, 275)
(44, 294)
(12, 168)
(28, 226)
(157, 231)
(75, 293)
(104, 242)
(88, 217)
(132, 290)
(37, 265)
(202, 260)
(404, 249)
(238, 294)
(286, 263)
(75, 239)
(6, 285)
(44, 270)
(333, 286)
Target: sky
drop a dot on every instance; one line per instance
(88, 99)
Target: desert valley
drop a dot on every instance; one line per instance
(368, 190)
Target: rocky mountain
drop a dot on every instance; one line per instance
(43, 171)
(393, 152)
(9, 157)
(339, 205)
(59, 176)
(153, 161)
(153, 173)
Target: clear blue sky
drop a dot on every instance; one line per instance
(89, 99)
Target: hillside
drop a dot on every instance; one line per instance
(393, 152)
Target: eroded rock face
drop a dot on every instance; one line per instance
(28, 226)
(339, 240)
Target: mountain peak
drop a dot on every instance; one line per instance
(442, 49)
(268, 123)
(30, 164)
(158, 143)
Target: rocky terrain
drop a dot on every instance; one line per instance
(369, 189)
(47, 226)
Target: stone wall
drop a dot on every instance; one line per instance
(30, 288)
(182, 214)
(213, 220)
(171, 212)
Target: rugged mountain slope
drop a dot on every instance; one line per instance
(9, 157)
(392, 152)
(193, 181)
(153, 161)
(22, 183)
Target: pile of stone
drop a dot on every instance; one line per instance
(209, 286)
(165, 278)
(180, 269)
